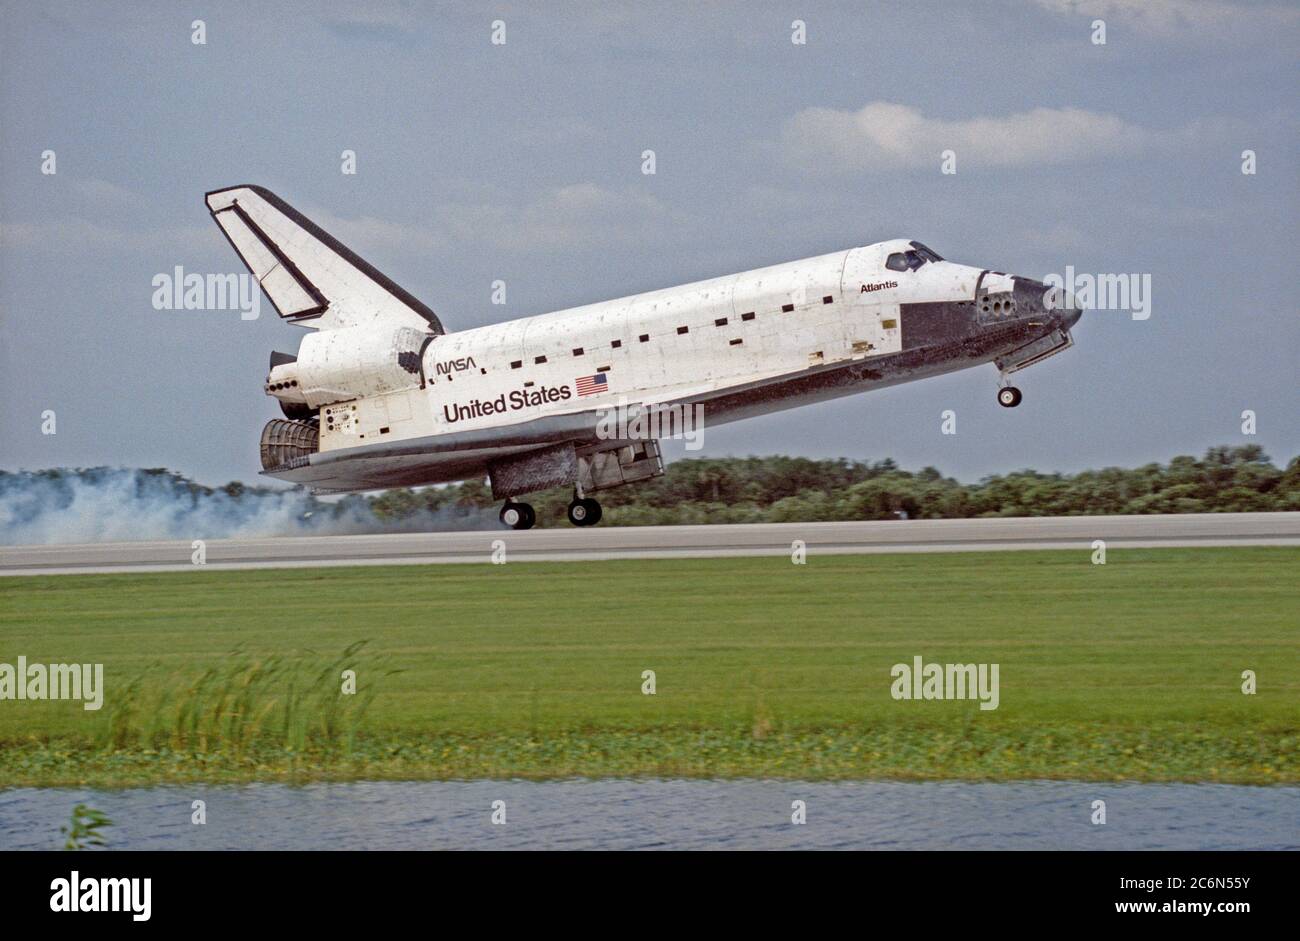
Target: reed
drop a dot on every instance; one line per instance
(249, 702)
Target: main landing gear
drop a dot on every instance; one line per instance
(518, 515)
(584, 511)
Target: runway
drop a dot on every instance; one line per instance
(663, 542)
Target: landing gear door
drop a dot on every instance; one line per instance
(613, 467)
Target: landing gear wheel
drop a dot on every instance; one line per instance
(518, 515)
(1009, 396)
(584, 512)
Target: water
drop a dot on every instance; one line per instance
(639, 814)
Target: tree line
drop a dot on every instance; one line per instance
(794, 489)
(775, 489)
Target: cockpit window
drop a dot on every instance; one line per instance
(910, 261)
(926, 253)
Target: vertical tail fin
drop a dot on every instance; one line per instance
(310, 277)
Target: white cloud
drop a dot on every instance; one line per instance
(369, 235)
(102, 191)
(1167, 17)
(580, 214)
(1057, 238)
(398, 14)
(81, 235)
(573, 216)
(884, 135)
(78, 235)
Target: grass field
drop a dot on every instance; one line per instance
(1131, 670)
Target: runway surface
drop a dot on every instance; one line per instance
(657, 542)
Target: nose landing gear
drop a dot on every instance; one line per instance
(1009, 396)
(518, 515)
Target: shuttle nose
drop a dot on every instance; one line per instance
(1059, 303)
(1066, 307)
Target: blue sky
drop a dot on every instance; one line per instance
(522, 162)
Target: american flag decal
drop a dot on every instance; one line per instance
(591, 385)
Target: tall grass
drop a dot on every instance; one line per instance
(291, 703)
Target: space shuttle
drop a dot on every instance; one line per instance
(380, 395)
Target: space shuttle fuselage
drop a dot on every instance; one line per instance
(394, 400)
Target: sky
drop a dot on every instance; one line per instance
(522, 162)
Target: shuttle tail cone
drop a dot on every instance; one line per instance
(286, 442)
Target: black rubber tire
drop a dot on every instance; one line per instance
(1009, 396)
(585, 512)
(517, 515)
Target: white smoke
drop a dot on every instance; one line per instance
(119, 504)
